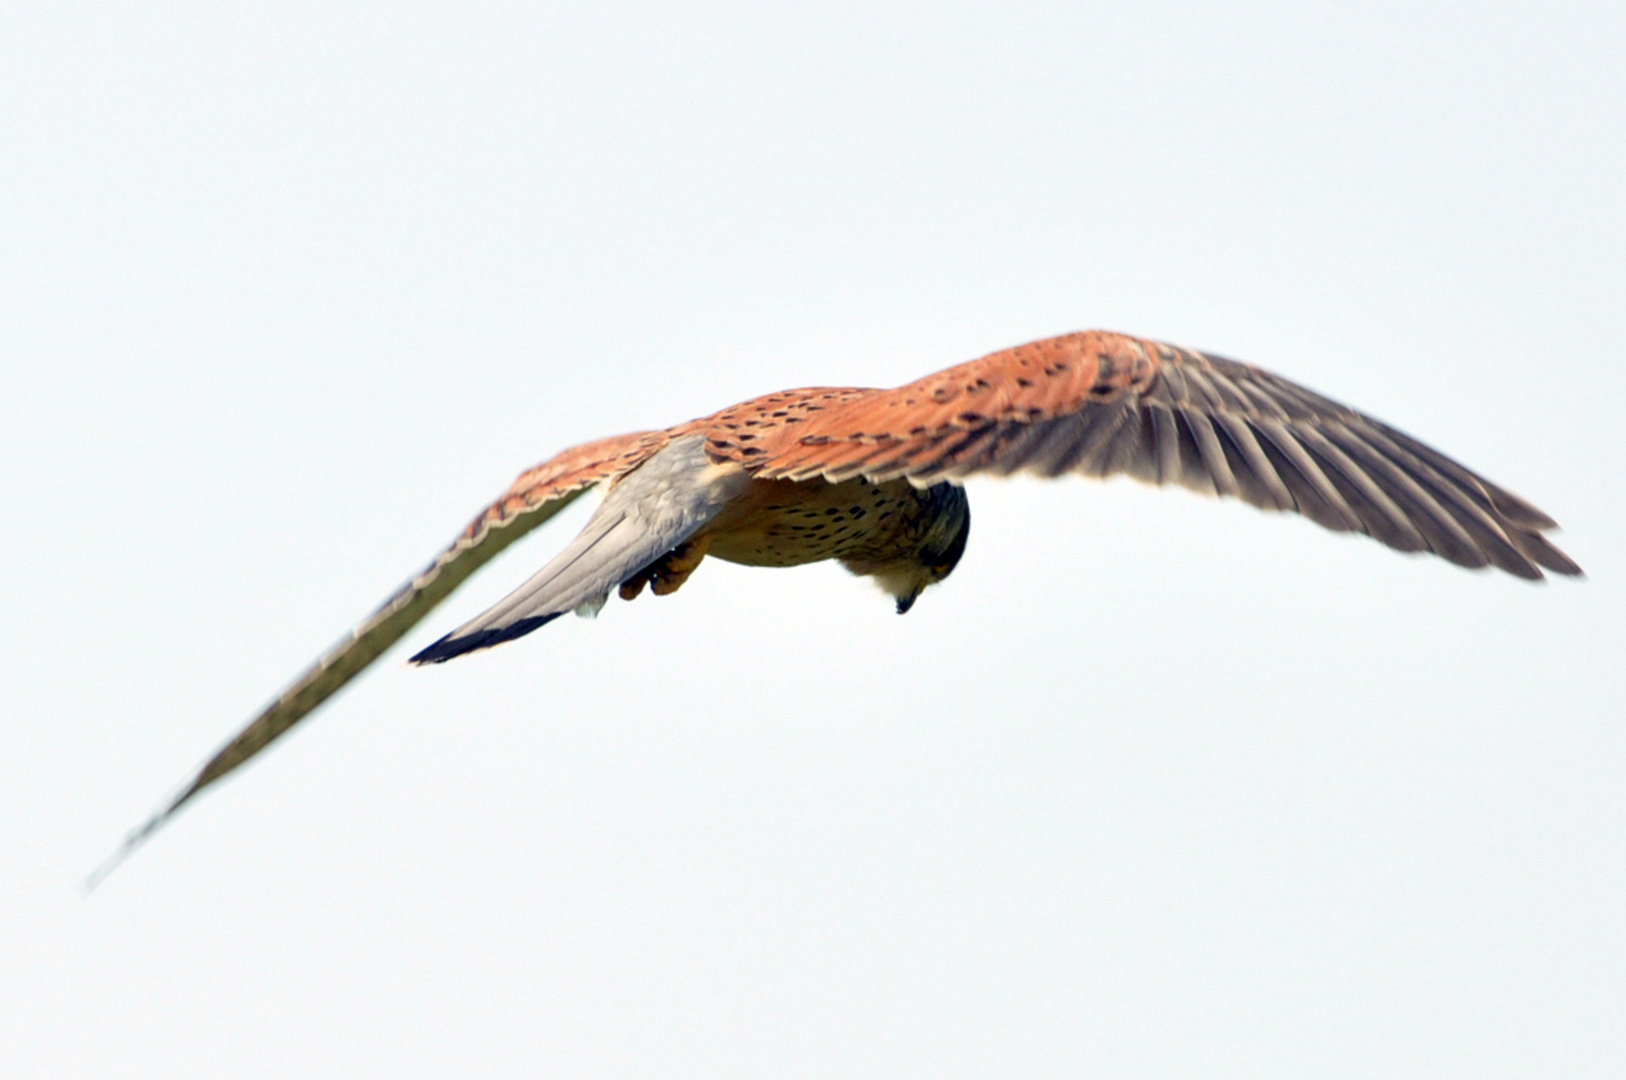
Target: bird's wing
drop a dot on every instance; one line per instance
(532, 499)
(650, 511)
(1100, 404)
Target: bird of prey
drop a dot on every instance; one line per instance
(872, 478)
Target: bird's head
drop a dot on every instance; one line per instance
(941, 546)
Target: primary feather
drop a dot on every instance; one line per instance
(862, 476)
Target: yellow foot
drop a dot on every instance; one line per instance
(673, 569)
(666, 574)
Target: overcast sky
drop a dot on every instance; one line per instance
(1154, 786)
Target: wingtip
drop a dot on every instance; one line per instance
(136, 837)
(114, 861)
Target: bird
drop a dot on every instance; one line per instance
(873, 478)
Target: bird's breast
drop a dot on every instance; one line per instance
(788, 523)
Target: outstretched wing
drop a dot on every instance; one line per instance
(531, 500)
(1100, 403)
(668, 499)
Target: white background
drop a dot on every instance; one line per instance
(1154, 786)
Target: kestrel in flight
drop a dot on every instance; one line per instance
(872, 478)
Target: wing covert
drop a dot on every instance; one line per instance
(1104, 404)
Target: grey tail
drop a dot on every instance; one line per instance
(452, 646)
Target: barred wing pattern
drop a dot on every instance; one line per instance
(1094, 403)
(1100, 404)
(535, 497)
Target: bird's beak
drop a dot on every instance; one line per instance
(907, 602)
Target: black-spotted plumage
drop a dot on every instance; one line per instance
(870, 477)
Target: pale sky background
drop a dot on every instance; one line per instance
(1153, 787)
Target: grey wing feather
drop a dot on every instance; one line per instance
(647, 513)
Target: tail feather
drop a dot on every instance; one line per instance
(448, 646)
(649, 512)
(579, 577)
